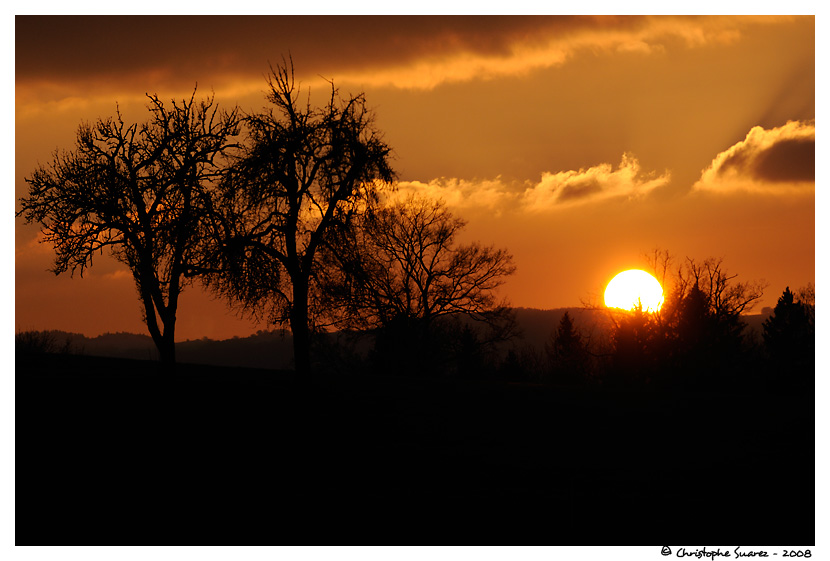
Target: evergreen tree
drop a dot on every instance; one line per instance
(469, 353)
(696, 339)
(511, 368)
(567, 353)
(789, 338)
(634, 360)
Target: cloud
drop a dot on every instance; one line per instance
(563, 189)
(598, 183)
(552, 44)
(781, 160)
(230, 54)
(491, 194)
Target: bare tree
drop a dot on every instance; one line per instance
(403, 261)
(698, 332)
(725, 298)
(806, 296)
(301, 176)
(141, 190)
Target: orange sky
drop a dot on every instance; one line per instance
(578, 143)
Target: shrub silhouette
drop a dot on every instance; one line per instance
(40, 342)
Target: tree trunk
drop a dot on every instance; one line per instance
(164, 340)
(167, 350)
(300, 334)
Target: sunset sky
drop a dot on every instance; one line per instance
(577, 143)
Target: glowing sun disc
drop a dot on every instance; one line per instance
(633, 287)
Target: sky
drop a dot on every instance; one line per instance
(578, 143)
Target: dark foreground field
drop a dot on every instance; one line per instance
(115, 451)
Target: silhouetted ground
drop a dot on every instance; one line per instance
(113, 451)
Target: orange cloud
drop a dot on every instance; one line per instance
(546, 48)
(563, 189)
(395, 52)
(458, 193)
(598, 183)
(781, 160)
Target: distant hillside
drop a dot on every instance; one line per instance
(537, 326)
(266, 349)
(272, 349)
(755, 323)
(118, 345)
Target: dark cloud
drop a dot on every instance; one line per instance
(53, 54)
(787, 160)
(765, 160)
(579, 189)
(73, 46)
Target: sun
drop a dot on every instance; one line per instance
(633, 287)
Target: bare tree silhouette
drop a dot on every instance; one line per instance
(725, 298)
(142, 190)
(697, 336)
(400, 268)
(303, 173)
(403, 260)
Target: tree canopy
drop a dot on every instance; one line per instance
(404, 260)
(302, 174)
(790, 339)
(141, 190)
(697, 337)
(400, 271)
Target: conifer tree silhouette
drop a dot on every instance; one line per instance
(789, 337)
(633, 359)
(567, 352)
